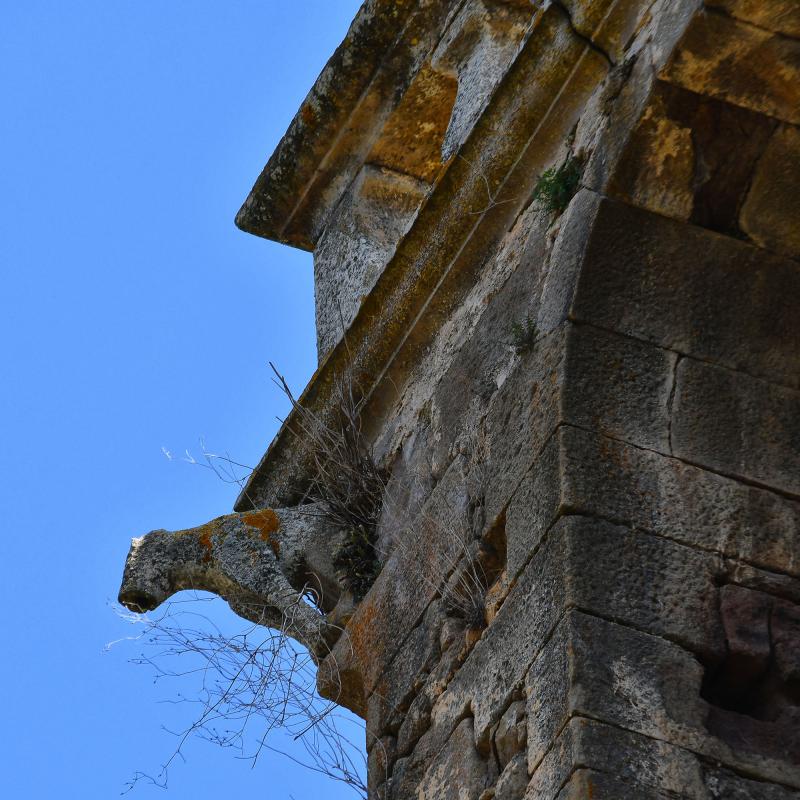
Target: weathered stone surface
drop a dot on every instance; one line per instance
(740, 64)
(785, 638)
(382, 755)
(411, 140)
(725, 785)
(356, 245)
(745, 620)
(458, 772)
(647, 490)
(691, 290)
(692, 158)
(513, 779)
(737, 425)
(650, 686)
(599, 786)
(509, 736)
(781, 16)
(617, 482)
(478, 47)
(610, 25)
(566, 259)
(770, 212)
(625, 575)
(521, 417)
(630, 758)
(417, 721)
(260, 562)
(617, 386)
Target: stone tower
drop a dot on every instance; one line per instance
(556, 250)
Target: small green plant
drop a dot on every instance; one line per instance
(557, 185)
(357, 563)
(523, 334)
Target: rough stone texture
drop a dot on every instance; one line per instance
(737, 425)
(360, 238)
(692, 291)
(458, 772)
(771, 210)
(740, 64)
(649, 686)
(588, 419)
(673, 499)
(261, 562)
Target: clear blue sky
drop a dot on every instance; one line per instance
(134, 316)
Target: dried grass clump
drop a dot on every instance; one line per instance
(346, 479)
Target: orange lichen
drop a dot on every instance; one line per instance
(308, 114)
(267, 523)
(204, 538)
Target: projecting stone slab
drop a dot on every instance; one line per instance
(691, 290)
(738, 425)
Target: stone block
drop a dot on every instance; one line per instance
(380, 761)
(458, 772)
(691, 290)
(647, 490)
(723, 784)
(641, 580)
(781, 16)
(357, 243)
(522, 415)
(558, 290)
(678, 161)
(785, 637)
(610, 25)
(498, 662)
(745, 620)
(629, 759)
(647, 685)
(415, 722)
(617, 386)
(771, 210)
(740, 64)
(598, 785)
(737, 425)
(636, 578)
(534, 506)
(513, 779)
(509, 736)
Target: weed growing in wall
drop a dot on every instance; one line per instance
(523, 334)
(557, 185)
(346, 480)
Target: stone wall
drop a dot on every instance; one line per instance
(588, 411)
(629, 481)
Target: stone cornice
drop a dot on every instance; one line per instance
(521, 131)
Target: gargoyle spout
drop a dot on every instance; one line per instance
(261, 562)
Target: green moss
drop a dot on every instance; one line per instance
(556, 186)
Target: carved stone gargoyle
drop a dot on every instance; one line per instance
(261, 562)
